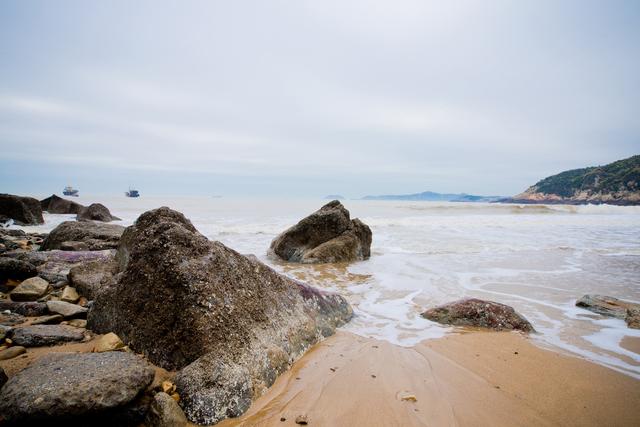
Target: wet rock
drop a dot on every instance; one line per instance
(327, 235)
(66, 309)
(58, 205)
(96, 212)
(91, 277)
(633, 318)
(55, 265)
(69, 295)
(479, 313)
(13, 269)
(229, 321)
(43, 335)
(22, 210)
(48, 320)
(70, 386)
(96, 235)
(24, 308)
(12, 352)
(165, 412)
(3, 377)
(30, 290)
(108, 342)
(605, 305)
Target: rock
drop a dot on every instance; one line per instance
(23, 210)
(303, 420)
(47, 320)
(479, 313)
(4, 378)
(607, 306)
(633, 318)
(327, 235)
(66, 309)
(13, 269)
(96, 212)
(24, 308)
(77, 323)
(74, 246)
(55, 265)
(69, 294)
(70, 386)
(165, 412)
(12, 352)
(58, 205)
(229, 321)
(10, 319)
(90, 277)
(42, 335)
(108, 342)
(96, 235)
(30, 290)
(4, 330)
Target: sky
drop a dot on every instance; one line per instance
(308, 98)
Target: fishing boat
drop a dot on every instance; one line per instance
(70, 191)
(132, 193)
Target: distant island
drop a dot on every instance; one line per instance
(617, 183)
(430, 196)
(334, 197)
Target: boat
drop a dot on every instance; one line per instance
(132, 193)
(70, 191)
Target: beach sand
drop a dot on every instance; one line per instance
(475, 378)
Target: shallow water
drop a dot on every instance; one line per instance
(538, 259)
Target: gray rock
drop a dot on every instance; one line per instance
(633, 317)
(69, 294)
(30, 290)
(165, 412)
(66, 309)
(23, 210)
(24, 308)
(605, 305)
(4, 330)
(75, 386)
(479, 313)
(48, 320)
(96, 212)
(327, 235)
(10, 319)
(43, 335)
(12, 352)
(13, 269)
(96, 235)
(91, 277)
(179, 297)
(54, 265)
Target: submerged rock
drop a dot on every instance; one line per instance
(13, 269)
(22, 210)
(228, 320)
(96, 235)
(69, 386)
(479, 313)
(58, 205)
(96, 212)
(327, 235)
(42, 335)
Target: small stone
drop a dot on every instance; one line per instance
(408, 398)
(12, 352)
(30, 290)
(302, 420)
(66, 309)
(175, 396)
(83, 302)
(283, 419)
(69, 294)
(8, 341)
(108, 342)
(77, 323)
(54, 318)
(168, 387)
(165, 412)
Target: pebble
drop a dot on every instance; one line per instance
(302, 420)
(69, 294)
(108, 342)
(12, 352)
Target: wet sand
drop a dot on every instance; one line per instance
(468, 379)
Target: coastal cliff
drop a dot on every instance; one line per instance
(617, 183)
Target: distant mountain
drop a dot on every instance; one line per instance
(617, 183)
(334, 197)
(430, 196)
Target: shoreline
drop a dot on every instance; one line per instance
(471, 378)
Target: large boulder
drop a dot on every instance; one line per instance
(479, 313)
(15, 269)
(231, 322)
(327, 235)
(96, 212)
(95, 235)
(54, 265)
(75, 388)
(22, 210)
(58, 205)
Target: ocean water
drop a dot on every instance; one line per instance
(538, 259)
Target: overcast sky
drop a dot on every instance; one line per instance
(310, 98)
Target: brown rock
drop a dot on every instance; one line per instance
(30, 290)
(96, 235)
(108, 342)
(69, 294)
(605, 305)
(12, 352)
(479, 313)
(77, 323)
(96, 212)
(633, 317)
(23, 210)
(165, 412)
(44, 320)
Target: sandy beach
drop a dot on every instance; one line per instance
(474, 378)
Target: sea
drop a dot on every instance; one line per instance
(538, 259)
